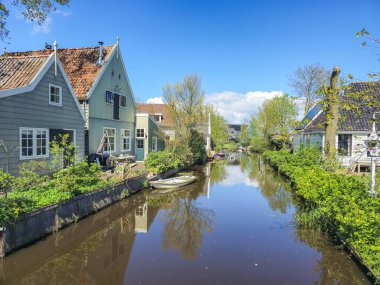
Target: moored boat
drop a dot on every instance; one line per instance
(172, 182)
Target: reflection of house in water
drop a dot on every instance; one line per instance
(144, 217)
(96, 250)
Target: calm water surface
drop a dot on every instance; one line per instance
(234, 227)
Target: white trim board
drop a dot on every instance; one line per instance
(33, 83)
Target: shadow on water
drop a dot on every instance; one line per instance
(208, 222)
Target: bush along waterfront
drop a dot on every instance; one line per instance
(34, 188)
(333, 202)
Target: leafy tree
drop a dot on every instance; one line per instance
(275, 120)
(307, 81)
(6, 181)
(186, 104)
(197, 147)
(32, 10)
(219, 129)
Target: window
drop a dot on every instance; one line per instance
(109, 97)
(34, 143)
(344, 144)
(109, 143)
(139, 133)
(154, 143)
(55, 95)
(125, 140)
(123, 101)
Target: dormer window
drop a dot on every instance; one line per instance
(55, 95)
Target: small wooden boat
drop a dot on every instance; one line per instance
(172, 182)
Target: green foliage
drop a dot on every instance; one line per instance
(335, 202)
(219, 129)
(34, 11)
(161, 161)
(73, 178)
(273, 124)
(63, 152)
(32, 174)
(197, 147)
(31, 191)
(6, 181)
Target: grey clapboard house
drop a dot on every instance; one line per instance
(37, 102)
(353, 127)
(100, 82)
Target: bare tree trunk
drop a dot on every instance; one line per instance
(332, 113)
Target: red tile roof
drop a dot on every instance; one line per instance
(167, 121)
(80, 65)
(19, 71)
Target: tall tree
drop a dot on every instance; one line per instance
(32, 10)
(219, 128)
(307, 81)
(186, 103)
(332, 112)
(275, 117)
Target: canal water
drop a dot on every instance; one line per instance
(233, 226)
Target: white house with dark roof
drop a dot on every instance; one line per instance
(353, 129)
(37, 102)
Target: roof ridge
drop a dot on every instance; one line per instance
(24, 56)
(52, 50)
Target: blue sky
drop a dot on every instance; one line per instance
(239, 48)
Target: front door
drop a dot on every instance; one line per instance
(140, 149)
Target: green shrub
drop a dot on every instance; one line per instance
(73, 178)
(335, 202)
(32, 175)
(161, 161)
(197, 147)
(6, 181)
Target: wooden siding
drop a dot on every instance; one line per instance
(100, 113)
(33, 110)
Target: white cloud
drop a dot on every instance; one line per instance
(62, 13)
(236, 176)
(237, 107)
(155, 100)
(43, 28)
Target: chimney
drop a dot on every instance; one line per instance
(100, 60)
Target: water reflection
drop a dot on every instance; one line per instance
(272, 187)
(184, 221)
(94, 251)
(199, 234)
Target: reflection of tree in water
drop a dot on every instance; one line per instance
(218, 171)
(278, 195)
(184, 224)
(332, 268)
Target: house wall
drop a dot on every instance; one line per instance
(357, 146)
(306, 139)
(357, 149)
(101, 113)
(152, 130)
(32, 109)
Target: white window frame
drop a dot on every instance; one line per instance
(34, 147)
(114, 150)
(123, 137)
(143, 137)
(154, 139)
(120, 96)
(60, 94)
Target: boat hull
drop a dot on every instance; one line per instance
(172, 182)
